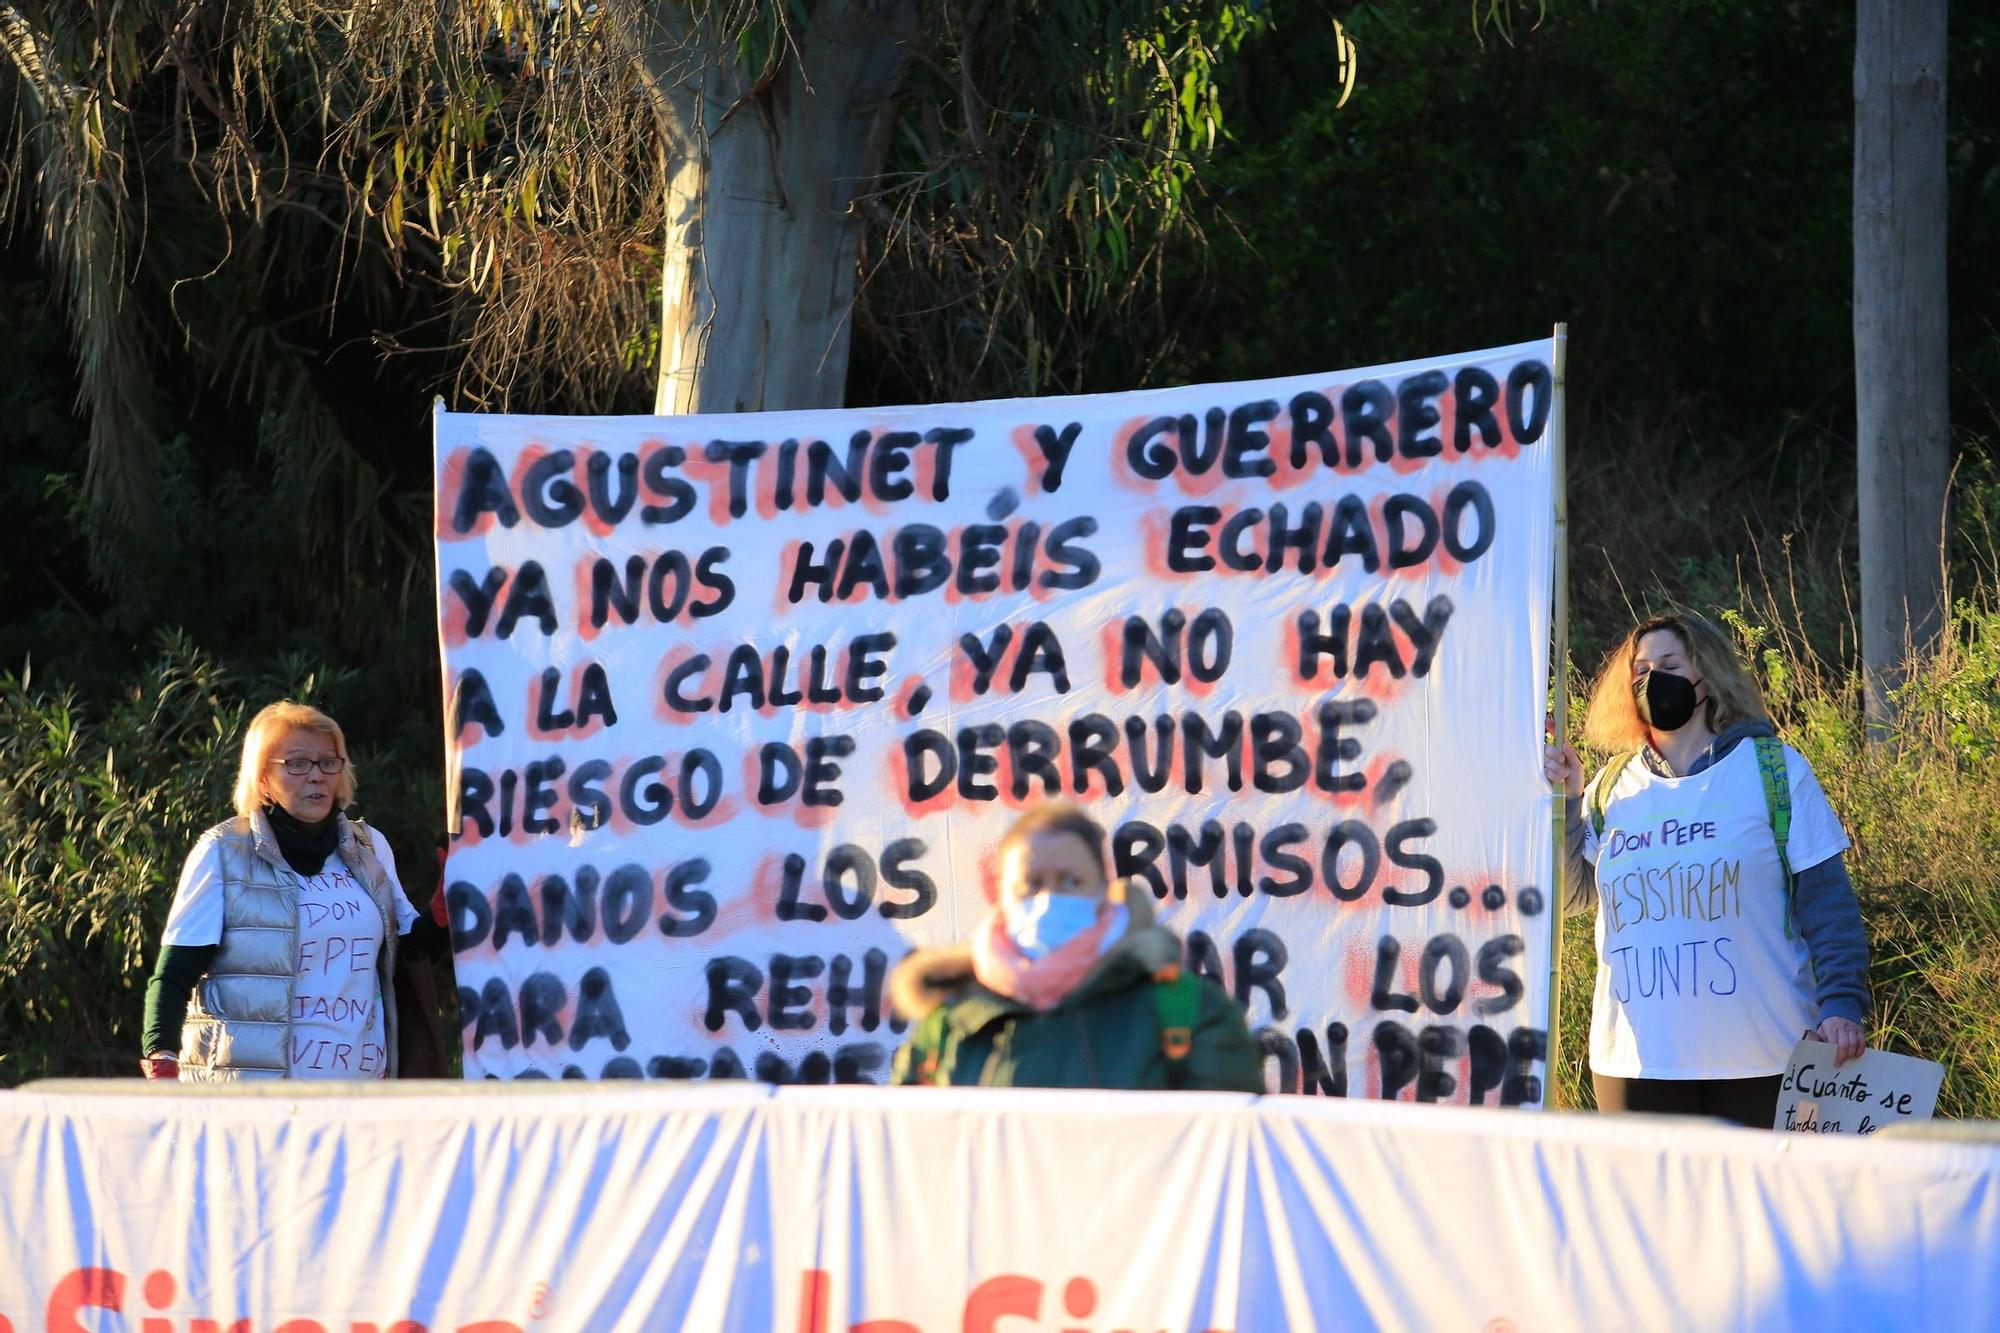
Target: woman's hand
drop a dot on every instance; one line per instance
(1845, 1036)
(1560, 763)
(160, 1067)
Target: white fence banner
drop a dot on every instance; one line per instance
(512, 1209)
(1871, 1093)
(740, 707)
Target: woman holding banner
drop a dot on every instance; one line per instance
(1068, 983)
(282, 940)
(1726, 923)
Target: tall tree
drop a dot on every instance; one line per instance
(73, 154)
(999, 173)
(173, 246)
(764, 164)
(1900, 357)
(606, 194)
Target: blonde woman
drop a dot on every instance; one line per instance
(281, 943)
(1726, 923)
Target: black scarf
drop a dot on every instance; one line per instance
(304, 846)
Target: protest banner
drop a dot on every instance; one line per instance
(1871, 1092)
(522, 1208)
(740, 706)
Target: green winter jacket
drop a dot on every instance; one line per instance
(1107, 1034)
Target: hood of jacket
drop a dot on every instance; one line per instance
(930, 977)
(1732, 736)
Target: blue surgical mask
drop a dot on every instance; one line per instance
(1041, 923)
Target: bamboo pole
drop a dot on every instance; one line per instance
(1559, 700)
(454, 761)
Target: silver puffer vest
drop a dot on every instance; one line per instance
(239, 1019)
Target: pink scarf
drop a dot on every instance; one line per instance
(1040, 983)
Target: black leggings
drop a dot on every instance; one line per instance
(1751, 1102)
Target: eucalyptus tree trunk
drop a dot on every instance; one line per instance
(762, 241)
(1899, 333)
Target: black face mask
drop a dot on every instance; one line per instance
(1666, 701)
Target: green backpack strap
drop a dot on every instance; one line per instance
(1601, 793)
(928, 1047)
(1177, 1002)
(1778, 803)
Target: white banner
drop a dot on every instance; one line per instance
(741, 706)
(860, 1210)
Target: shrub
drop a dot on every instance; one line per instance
(98, 809)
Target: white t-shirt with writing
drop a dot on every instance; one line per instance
(1695, 975)
(338, 1029)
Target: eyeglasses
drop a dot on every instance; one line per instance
(299, 767)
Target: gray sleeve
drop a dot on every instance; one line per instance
(1579, 875)
(1829, 918)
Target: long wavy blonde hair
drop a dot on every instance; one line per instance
(272, 723)
(1613, 723)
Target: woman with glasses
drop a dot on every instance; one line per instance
(281, 942)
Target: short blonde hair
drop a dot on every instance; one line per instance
(270, 726)
(1613, 723)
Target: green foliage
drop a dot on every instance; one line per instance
(189, 254)
(1625, 168)
(1044, 159)
(1956, 696)
(98, 808)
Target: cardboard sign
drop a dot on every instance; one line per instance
(740, 708)
(1880, 1088)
